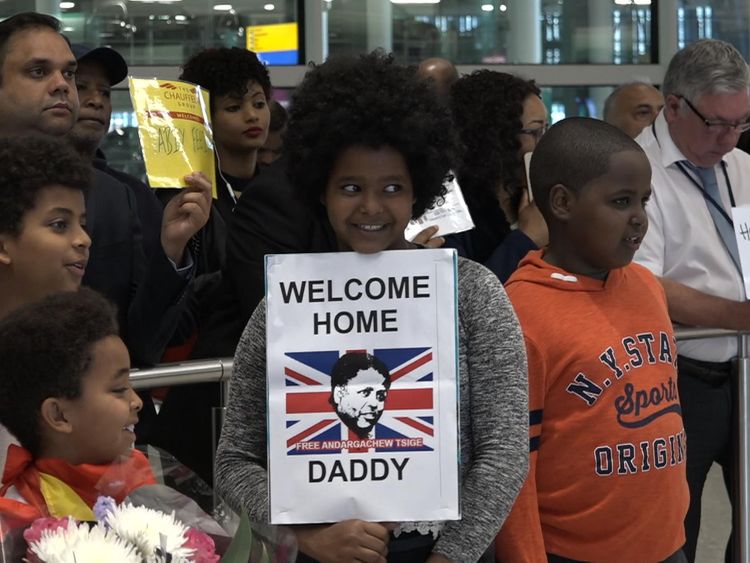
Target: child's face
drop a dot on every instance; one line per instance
(241, 124)
(103, 417)
(52, 248)
(608, 218)
(369, 198)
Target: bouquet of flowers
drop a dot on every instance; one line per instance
(177, 519)
(124, 533)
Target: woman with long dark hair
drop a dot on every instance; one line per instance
(499, 118)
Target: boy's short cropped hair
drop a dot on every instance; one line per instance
(225, 71)
(374, 102)
(29, 164)
(573, 152)
(45, 348)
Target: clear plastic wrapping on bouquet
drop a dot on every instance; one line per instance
(180, 491)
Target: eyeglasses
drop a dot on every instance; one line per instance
(538, 132)
(717, 124)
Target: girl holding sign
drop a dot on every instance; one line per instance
(372, 144)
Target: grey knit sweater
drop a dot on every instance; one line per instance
(493, 417)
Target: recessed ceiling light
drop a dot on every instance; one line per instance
(488, 7)
(269, 7)
(222, 7)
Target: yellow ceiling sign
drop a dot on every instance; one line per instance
(276, 37)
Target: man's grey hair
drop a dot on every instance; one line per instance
(709, 66)
(609, 103)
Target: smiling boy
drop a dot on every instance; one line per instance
(74, 417)
(607, 474)
(44, 246)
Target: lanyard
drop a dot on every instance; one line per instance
(708, 197)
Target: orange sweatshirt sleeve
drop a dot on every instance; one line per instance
(520, 539)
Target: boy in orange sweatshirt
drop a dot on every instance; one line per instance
(607, 466)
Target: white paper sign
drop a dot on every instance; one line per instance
(362, 394)
(741, 220)
(451, 215)
(527, 167)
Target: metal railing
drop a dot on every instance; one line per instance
(220, 371)
(183, 373)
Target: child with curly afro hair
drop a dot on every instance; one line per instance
(372, 144)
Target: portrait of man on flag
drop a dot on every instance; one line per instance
(359, 387)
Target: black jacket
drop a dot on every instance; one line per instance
(268, 219)
(142, 283)
(491, 242)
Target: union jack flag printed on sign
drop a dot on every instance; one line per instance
(407, 422)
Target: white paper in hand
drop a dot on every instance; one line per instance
(741, 220)
(451, 216)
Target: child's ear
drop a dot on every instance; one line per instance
(561, 201)
(53, 415)
(4, 254)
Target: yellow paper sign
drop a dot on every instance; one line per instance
(174, 127)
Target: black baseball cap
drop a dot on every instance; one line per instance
(113, 63)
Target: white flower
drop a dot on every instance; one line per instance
(81, 544)
(149, 530)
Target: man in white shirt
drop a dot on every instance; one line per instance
(698, 176)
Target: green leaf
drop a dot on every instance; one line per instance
(242, 543)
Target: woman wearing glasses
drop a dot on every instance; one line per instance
(499, 117)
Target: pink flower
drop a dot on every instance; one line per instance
(205, 549)
(34, 532)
